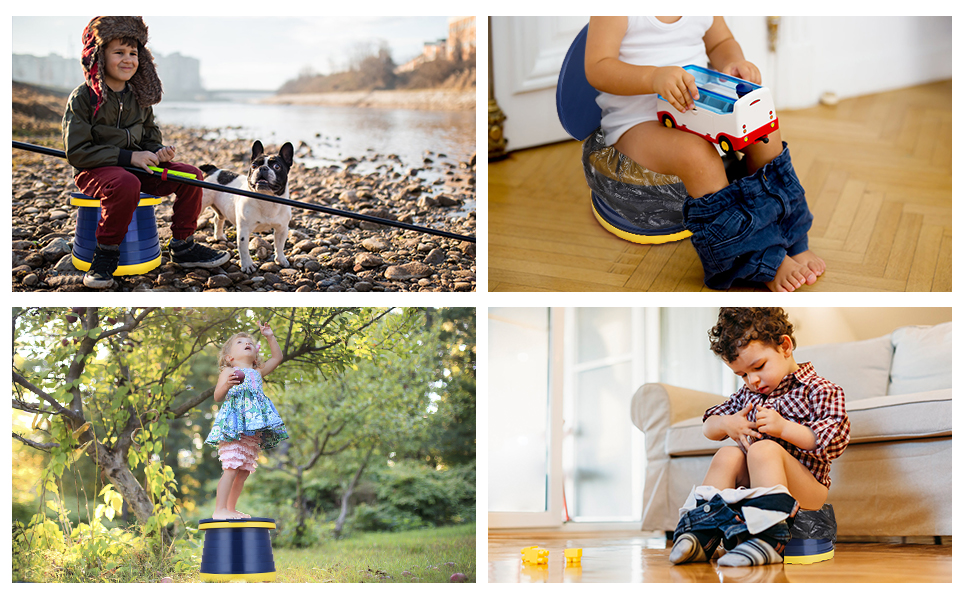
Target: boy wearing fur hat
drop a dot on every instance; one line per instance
(109, 125)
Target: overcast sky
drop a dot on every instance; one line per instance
(247, 52)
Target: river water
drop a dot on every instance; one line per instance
(333, 132)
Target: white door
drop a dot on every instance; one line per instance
(849, 56)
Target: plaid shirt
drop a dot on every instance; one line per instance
(807, 399)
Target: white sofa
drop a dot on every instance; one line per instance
(894, 479)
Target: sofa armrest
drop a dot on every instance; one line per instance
(657, 406)
(653, 409)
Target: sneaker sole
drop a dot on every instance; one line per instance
(204, 265)
(97, 284)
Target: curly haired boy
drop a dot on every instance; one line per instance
(789, 424)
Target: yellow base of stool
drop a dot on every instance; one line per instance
(122, 270)
(250, 578)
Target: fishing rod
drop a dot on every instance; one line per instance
(170, 175)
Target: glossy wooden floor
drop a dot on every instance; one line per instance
(637, 558)
(877, 172)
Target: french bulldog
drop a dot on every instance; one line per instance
(268, 174)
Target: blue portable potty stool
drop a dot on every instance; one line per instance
(645, 217)
(237, 550)
(140, 250)
(813, 535)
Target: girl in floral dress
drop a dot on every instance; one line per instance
(247, 420)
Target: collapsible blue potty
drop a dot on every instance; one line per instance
(237, 550)
(813, 535)
(629, 201)
(140, 250)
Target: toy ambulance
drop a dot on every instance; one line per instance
(730, 112)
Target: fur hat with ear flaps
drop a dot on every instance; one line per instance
(144, 84)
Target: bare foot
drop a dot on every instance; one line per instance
(241, 515)
(790, 276)
(223, 514)
(811, 260)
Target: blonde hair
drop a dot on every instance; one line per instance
(224, 353)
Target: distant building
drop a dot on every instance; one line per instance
(180, 75)
(459, 45)
(461, 38)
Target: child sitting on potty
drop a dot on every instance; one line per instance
(754, 229)
(789, 425)
(109, 125)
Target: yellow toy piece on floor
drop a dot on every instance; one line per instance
(573, 555)
(535, 555)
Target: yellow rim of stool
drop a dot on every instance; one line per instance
(95, 203)
(250, 577)
(809, 558)
(639, 239)
(241, 524)
(135, 269)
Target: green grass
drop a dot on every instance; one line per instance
(425, 556)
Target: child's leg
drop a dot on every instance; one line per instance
(236, 490)
(729, 469)
(769, 464)
(119, 192)
(759, 154)
(223, 491)
(675, 152)
(188, 199)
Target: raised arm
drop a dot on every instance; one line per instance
(276, 354)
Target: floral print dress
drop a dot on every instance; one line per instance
(247, 411)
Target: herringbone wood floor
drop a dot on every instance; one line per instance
(877, 174)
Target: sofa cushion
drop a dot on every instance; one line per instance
(903, 416)
(923, 359)
(885, 418)
(860, 368)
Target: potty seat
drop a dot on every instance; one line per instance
(629, 201)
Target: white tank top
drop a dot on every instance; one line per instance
(650, 42)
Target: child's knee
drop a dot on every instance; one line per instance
(763, 450)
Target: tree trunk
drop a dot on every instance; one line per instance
(345, 499)
(115, 469)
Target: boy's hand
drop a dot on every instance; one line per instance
(739, 428)
(165, 154)
(769, 422)
(744, 70)
(144, 159)
(676, 86)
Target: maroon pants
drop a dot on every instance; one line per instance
(119, 191)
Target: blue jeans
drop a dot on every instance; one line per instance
(744, 231)
(715, 517)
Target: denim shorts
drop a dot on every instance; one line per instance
(743, 232)
(717, 517)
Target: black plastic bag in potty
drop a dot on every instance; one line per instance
(628, 200)
(813, 534)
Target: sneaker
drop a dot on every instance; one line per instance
(187, 253)
(104, 263)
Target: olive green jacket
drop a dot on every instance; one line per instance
(120, 128)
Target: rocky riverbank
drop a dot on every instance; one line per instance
(326, 253)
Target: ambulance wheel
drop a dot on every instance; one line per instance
(725, 144)
(668, 121)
